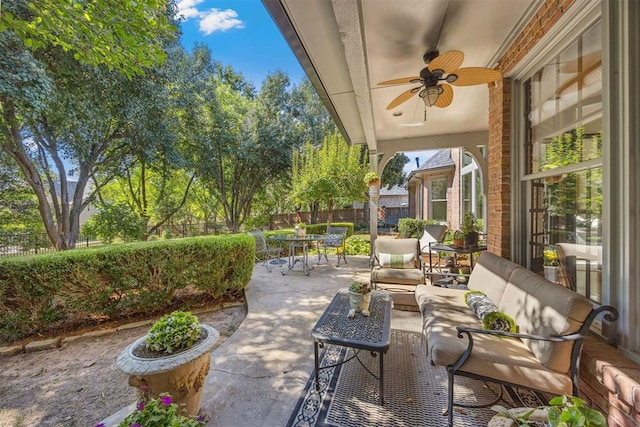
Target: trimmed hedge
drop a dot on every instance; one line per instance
(410, 227)
(41, 290)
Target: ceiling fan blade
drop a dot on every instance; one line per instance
(446, 97)
(403, 80)
(404, 96)
(470, 76)
(448, 62)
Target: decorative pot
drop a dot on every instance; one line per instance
(471, 239)
(458, 243)
(551, 273)
(359, 302)
(181, 374)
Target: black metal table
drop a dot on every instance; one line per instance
(455, 250)
(371, 333)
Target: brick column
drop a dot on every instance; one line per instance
(499, 160)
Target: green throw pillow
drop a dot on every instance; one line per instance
(499, 321)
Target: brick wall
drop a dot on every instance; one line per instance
(608, 381)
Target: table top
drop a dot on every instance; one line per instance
(371, 333)
(294, 238)
(458, 249)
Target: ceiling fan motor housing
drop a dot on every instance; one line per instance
(428, 77)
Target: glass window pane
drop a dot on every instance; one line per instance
(439, 211)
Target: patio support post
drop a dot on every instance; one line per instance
(373, 201)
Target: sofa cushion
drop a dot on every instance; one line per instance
(540, 307)
(490, 275)
(508, 360)
(396, 260)
(401, 276)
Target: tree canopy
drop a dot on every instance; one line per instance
(123, 35)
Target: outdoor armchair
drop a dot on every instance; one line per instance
(433, 234)
(335, 238)
(264, 252)
(396, 261)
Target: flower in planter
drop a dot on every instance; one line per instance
(371, 179)
(159, 412)
(550, 257)
(173, 332)
(360, 288)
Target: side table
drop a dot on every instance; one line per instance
(371, 333)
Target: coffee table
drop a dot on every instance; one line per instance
(371, 333)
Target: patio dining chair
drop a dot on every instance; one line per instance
(264, 252)
(335, 238)
(433, 234)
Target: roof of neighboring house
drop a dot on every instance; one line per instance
(441, 159)
(396, 190)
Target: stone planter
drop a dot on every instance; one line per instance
(359, 302)
(539, 418)
(182, 375)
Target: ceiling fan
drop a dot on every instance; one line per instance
(437, 77)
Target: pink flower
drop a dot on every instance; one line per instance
(166, 400)
(141, 406)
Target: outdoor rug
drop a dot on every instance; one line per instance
(415, 391)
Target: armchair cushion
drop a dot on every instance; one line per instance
(396, 260)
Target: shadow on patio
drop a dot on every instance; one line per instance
(259, 375)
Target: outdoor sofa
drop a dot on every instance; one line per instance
(545, 353)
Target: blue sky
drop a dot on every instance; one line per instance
(242, 34)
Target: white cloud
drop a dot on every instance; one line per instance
(188, 9)
(219, 20)
(211, 20)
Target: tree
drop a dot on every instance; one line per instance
(88, 122)
(330, 175)
(393, 174)
(18, 204)
(123, 35)
(310, 118)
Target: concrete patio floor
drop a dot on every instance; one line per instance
(258, 374)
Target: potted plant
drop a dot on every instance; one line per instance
(173, 358)
(458, 239)
(359, 298)
(550, 262)
(563, 411)
(469, 230)
(300, 229)
(162, 411)
(371, 179)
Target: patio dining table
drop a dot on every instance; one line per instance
(302, 242)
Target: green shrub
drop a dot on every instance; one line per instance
(120, 280)
(357, 245)
(410, 227)
(174, 331)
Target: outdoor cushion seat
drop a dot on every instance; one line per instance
(383, 272)
(543, 355)
(335, 238)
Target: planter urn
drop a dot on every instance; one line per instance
(359, 302)
(181, 374)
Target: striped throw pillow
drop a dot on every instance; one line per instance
(396, 260)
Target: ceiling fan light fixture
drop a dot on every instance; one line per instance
(451, 78)
(430, 95)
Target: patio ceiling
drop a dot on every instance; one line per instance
(347, 46)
